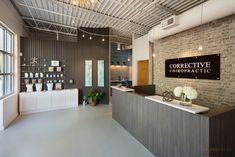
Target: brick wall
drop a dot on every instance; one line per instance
(215, 37)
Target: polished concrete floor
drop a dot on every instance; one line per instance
(81, 132)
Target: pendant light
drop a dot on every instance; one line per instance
(118, 46)
(200, 48)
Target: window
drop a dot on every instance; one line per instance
(6, 61)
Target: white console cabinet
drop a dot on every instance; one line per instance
(32, 102)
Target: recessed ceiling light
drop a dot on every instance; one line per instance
(92, 1)
(74, 2)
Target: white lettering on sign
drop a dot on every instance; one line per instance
(195, 67)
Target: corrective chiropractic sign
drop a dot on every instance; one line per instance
(199, 67)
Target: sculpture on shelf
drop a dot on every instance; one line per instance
(49, 86)
(29, 87)
(38, 87)
(168, 96)
(34, 61)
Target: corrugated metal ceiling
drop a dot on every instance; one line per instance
(124, 17)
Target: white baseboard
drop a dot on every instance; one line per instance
(2, 128)
(47, 109)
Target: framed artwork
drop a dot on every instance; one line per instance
(50, 69)
(88, 73)
(55, 63)
(58, 86)
(100, 73)
(58, 69)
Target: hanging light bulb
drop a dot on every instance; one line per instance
(103, 39)
(83, 35)
(92, 1)
(119, 46)
(154, 55)
(128, 59)
(74, 2)
(90, 37)
(200, 48)
(73, 22)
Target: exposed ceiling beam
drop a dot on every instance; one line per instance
(62, 26)
(142, 31)
(160, 6)
(48, 22)
(167, 9)
(49, 30)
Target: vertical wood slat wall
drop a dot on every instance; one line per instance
(71, 53)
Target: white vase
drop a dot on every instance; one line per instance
(29, 87)
(49, 86)
(38, 87)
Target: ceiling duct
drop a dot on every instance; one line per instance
(212, 10)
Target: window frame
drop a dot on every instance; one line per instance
(5, 73)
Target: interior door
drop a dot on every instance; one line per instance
(143, 72)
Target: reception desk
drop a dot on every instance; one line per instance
(170, 132)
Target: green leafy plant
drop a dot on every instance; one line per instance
(94, 96)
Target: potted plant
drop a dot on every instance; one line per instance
(94, 97)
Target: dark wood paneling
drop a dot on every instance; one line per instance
(222, 143)
(94, 50)
(145, 89)
(73, 54)
(170, 132)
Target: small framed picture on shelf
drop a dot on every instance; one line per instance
(34, 81)
(55, 63)
(36, 75)
(59, 69)
(26, 75)
(31, 75)
(50, 69)
(58, 86)
(39, 80)
(26, 81)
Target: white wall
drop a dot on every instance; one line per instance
(8, 110)
(10, 18)
(141, 51)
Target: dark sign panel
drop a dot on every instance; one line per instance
(199, 67)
